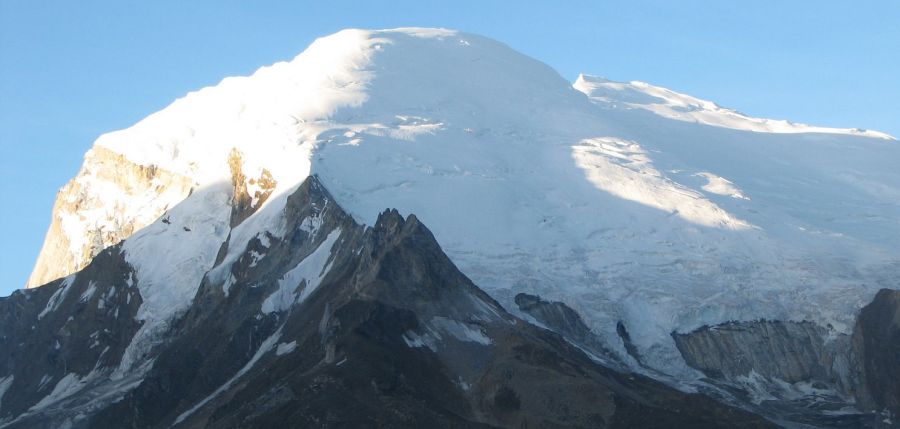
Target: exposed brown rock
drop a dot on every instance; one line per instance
(58, 258)
(243, 204)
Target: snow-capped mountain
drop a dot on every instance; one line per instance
(650, 215)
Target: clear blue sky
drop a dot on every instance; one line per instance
(70, 71)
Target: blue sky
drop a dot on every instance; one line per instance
(70, 71)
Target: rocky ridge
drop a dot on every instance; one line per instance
(332, 325)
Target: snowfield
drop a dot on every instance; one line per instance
(626, 201)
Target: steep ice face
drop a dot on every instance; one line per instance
(627, 204)
(170, 257)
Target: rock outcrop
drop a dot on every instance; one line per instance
(108, 200)
(788, 351)
(792, 368)
(67, 336)
(876, 354)
(249, 193)
(562, 319)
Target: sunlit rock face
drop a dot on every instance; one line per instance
(108, 200)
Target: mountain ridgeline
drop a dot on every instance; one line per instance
(385, 331)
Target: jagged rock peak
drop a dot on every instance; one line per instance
(325, 323)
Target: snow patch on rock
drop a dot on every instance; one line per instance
(264, 348)
(308, 273)
(285, 348)
(5, 382)
(58, 296)
(65, 387)
(461, 331)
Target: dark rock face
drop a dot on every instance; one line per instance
(626, 341)
(744, 356)
(564, 320)
(789, 351)
(876, 353)
(555, 315)
(386, 333)
(62, 331)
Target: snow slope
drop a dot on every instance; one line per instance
(626, 201)
(682, 107)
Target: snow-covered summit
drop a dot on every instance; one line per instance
(354, 77)
(666, 217)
